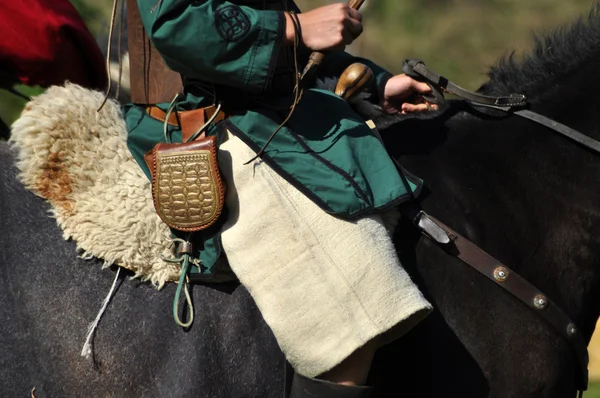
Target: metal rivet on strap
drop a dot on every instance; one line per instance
(501, 274)
(540, 302)
(571, 330)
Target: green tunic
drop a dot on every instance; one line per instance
(326, 150)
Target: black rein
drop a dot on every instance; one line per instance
(513, 104)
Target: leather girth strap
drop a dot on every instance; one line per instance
(152, 82)
(455, 244)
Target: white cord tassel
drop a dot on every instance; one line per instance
(88, 345)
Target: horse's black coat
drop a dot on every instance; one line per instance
(4, 130)
(49, 296)
(529, 197)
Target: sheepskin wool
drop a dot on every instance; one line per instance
(77, 159)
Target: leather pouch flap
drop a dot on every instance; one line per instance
(187, 188)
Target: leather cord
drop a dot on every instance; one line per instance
(183, 282)
(298, 90)
(113, 19)
(184, 251)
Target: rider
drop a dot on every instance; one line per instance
(305, 231)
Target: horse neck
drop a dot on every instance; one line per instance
(528, 196)
(573, 100)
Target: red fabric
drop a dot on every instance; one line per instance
(45, 42)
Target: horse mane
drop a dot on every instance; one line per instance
(554, 58)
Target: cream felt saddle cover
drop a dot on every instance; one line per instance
(77, 159)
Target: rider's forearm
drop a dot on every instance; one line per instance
(327, 28)
(337, 61)
(215, 40)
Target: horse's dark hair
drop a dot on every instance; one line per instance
(4, 130)
(554, 58)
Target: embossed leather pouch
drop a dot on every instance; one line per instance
(187, 188)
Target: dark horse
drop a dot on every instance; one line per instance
(526, 195)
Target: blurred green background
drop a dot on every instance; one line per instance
(460, 39)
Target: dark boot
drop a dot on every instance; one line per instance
(305, 387)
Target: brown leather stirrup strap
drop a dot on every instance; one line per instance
(456, 245)
(152, 82)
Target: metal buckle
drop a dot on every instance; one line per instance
(433, 230)
(511, 101)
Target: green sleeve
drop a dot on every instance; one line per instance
(335, 63)
(216, 41)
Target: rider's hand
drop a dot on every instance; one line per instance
(328, 28)
(403, 94)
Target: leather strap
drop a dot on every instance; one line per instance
(516, 285)
(415, 68)
(561, 129)
(507, 104)
(189, 121)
